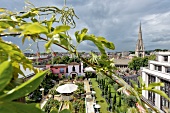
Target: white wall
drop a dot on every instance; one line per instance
(70, 69)
(160, 58)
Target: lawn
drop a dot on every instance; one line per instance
(101, 101)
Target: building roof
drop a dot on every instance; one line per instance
(27, 72)
(163, 53)
(73, 63)
(59, 65)
(132, 55)
(121, 61)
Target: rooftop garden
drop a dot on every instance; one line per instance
(52, 25)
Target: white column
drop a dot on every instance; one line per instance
(157, 96)
(152, 67)
(163, 69)
(82, 68)
(160, 58)
(168, 59)
(145, 79)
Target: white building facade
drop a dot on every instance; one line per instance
(75, 69)
(158, 71)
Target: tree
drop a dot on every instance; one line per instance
(138, 62)
(29, 25)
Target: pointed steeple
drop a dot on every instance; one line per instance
(140, 32)
(140, 52)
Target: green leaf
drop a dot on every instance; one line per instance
(153, 85)
(34, 28)
(26, 15)
(4, 25)
(1, 30)
(65, 111)
(79, 37)
(54, 110)
(24, 88)
(5, 74)
(34, 19)
(16, 70)
(14, 107)
(2, 9)
(64, 41)
(141, 82)
(48, 44)
(61, 28)
(106, 43)
(23, 39)
(97, 43)
(161, 93)
(29, 14)
(132, 110)
(100, 42)
(49, 23)
(134, 84)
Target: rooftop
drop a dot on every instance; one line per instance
(121, 61)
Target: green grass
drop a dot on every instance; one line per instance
(101, 101)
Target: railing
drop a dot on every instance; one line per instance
(134, 78)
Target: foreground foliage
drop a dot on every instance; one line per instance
(28, 25)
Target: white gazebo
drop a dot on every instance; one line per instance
(66, 90)
(89, 69)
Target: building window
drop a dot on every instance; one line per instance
(166, 89)
(79, 68)
(67, 70)
(61, 70)
(166, 58)
(151, 95)
(168, 70)
(73, 68)
(158, 68)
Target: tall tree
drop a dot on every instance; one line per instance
(138, 62)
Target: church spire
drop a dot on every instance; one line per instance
(140, 32)
(140, 52)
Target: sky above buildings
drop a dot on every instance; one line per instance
(116, 20)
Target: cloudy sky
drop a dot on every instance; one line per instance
(116, 20)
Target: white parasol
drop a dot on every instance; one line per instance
(89, 69)
(67, 88)
(97, 106)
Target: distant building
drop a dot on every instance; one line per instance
(158, 71)
(131, 56)
(140, 51)
(121, 63)
(125, 54)
(73, 69)
(60, 69)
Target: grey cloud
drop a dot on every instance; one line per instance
(116, 20)
(158, 40)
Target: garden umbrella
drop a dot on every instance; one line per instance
(89, 69)
(67, 88)
(97, 106)
(93, 92)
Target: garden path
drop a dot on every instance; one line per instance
(88, 101)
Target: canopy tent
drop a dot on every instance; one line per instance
(67, 88)
(89, 69)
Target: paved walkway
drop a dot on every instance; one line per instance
(88, 100)
(43, 103)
